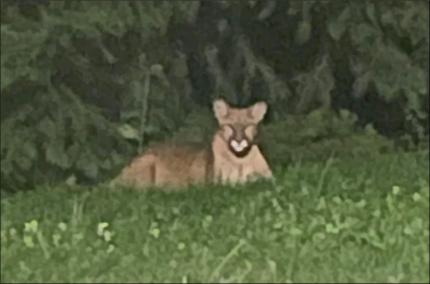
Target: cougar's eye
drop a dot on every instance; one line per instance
(227, 131)
(250, 131)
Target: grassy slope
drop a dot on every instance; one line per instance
(325, 222)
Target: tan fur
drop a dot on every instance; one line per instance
(230, 169)
(180, 165)
(169, 164)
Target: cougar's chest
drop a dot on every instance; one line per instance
(231, 171)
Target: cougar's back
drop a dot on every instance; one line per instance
(169, 164)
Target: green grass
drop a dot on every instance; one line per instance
(335, 221)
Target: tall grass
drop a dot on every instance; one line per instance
(336, 221)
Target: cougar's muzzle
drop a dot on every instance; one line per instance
(239, 139)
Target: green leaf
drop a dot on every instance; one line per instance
(337, 27)
(24, 162)
(47, 126)
(71, 180)
(129, 132)
(55, 154)
(31, 226)
(370, 12)
(87, 164)
(361, 84)
(30, 150)
(303, 33)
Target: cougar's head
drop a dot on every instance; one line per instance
(238, 126)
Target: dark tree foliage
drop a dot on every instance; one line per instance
(87, 84)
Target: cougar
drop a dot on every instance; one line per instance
(232, 157)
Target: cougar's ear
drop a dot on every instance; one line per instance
(220, 108)
(258, 110)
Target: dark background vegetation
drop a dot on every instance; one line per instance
(85, 85)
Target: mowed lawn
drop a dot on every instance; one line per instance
(333, 221)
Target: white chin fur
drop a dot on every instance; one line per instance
(239, 146)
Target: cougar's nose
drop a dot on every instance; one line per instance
(243, 143)
(239, 145)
